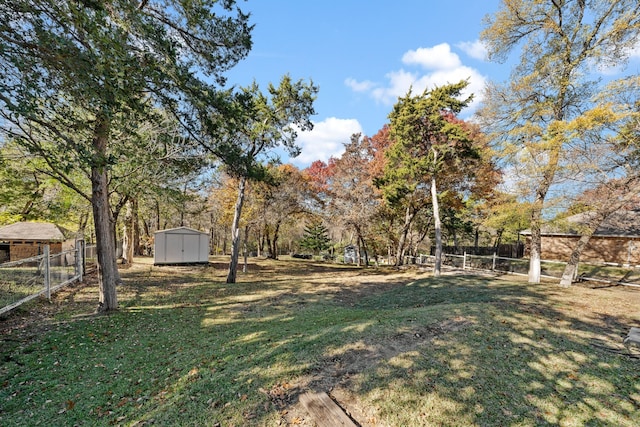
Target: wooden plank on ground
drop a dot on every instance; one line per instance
(325, 411)
(633, 337)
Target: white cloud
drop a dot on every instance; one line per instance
(399, 83)
(357, 86)
(325, 140)
(439, 66)
(613, 68)
(438, 57)
(634, 52)
(475, 49)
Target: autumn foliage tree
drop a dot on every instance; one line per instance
(354, 199)
(288, 198)
(530, 117)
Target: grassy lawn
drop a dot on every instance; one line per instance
(394, 348)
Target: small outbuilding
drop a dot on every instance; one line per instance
(350, 254)
(27, 239)
(180, 245)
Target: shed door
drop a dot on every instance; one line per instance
(173, 248)
(191, 247)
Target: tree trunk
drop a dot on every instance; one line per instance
(438, 227)
(115, 215)
(273, 243)
(158, 216)
(267, 237)
(245, 248)
(137, 250)
(408, 218)
(536, 213)
(571, 268)
(128, 235)
(105, 239)
(476, 240)
(536, 246)
(261, 233)
(235, 232)
(364, 249)
(455, 239)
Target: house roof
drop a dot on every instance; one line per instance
(622, 223)
(40, 231)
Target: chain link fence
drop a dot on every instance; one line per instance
(26, 279)
(598, 272)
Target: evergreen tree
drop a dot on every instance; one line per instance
(77, 77)
(316, 237)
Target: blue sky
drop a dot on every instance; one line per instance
(363, 55)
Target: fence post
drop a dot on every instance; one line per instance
(47, 276)
(464, 260)
(80, 259)
(493, 266)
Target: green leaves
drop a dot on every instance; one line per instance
(427, 137)
(259, 122)
(316, 237)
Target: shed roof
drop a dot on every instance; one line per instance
(622, 223)
(40, 231)
(181, 230)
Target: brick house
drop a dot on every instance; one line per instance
(616, 241)
(26, 239)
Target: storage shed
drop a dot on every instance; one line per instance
(180, 245)
(27, 239)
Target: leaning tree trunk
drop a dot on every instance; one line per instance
(437, 267)
(571, 268)
(105, 240)
(235, 232)
(363, 246)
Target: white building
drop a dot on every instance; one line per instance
(180, 245)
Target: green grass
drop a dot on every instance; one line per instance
(17, 283)
(396, 348)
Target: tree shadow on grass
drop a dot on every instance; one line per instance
(456, 350)
(517, 360)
